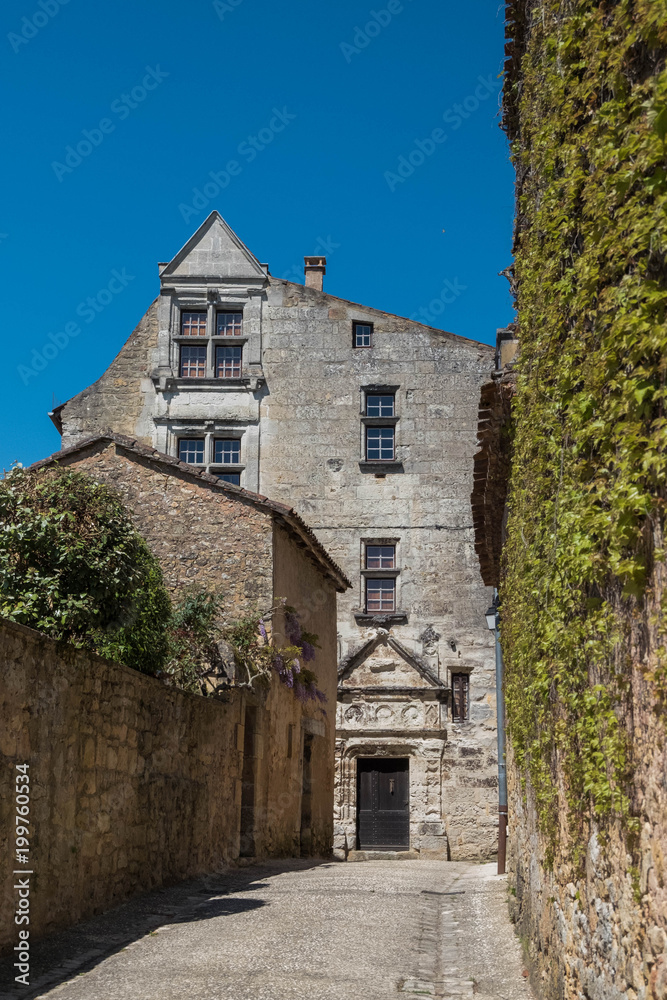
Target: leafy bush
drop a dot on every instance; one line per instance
(73, 566)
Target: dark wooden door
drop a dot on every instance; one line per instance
(383, 803)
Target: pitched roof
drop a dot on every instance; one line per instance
(285, 515)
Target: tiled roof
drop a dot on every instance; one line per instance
(288, 515)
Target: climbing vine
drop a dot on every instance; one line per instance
(586, 112)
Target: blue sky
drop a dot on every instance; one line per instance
(366, 132)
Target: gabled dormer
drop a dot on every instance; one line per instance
(210, 313)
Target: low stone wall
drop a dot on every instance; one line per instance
(132, 784)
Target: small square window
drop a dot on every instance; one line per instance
(231, 477)
(380, 444)
(460, 697)
(228, 451)
(380, 405)
(228, 362)
(229, 324)
(193, 324)
(362, 334)
(191, 450)
(380, 595)
(193, 362)
(380, 557)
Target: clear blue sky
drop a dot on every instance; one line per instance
(318, 105)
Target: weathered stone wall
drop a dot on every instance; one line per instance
(123, 398)
(598, 929)
(314, 598)
(201, 536)
(132, 784)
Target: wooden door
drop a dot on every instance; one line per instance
(383, 803)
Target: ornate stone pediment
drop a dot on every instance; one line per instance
(383, 663)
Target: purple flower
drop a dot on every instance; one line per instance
(308, 651)
(279, 664)
(289, 679)
(296, 667)
(292, 628)
(262, 630)
(301, 692)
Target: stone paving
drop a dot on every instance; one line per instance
(373, 930)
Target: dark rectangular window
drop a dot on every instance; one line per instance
(191, 450)
(380, 595)
(193, 362)
(229, 324)
(380, 444)
(193, 324)
(380, 557)
(380, 405)
(228, 451)
(460, 697)
(231, 477)
(228, 362)
(362, 334)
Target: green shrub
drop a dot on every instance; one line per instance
(73, 566)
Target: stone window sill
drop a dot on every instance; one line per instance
(385, 620)
(381, 468)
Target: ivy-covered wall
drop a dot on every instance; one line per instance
(582, 592)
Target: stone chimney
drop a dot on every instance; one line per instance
(315, 268)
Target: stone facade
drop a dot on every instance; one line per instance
(296, 406)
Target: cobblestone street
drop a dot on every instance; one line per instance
(359, 931)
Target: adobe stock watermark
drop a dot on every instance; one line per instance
(122, 107)
(88, 310)
(449, 293)
(31, 26)
(378, 21)
(454, 117)
(326, 247)
(249, 149)
(223, 7)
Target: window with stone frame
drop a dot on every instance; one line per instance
(193, 324)
(227, 451)
(230, 477)
(460, 697)
(380, 444)
(380, 591)
(380, 404)
(193, 361)
(380, 595)
(228, 362)
(229, 324)
(362, 334)
(192, 451)
(380, 557)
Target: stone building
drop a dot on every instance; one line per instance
(254, 552)
(365, 422)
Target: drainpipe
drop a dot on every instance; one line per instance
(493, 622)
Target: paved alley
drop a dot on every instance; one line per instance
(377, 930)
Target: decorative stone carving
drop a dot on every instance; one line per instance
(354, 713)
